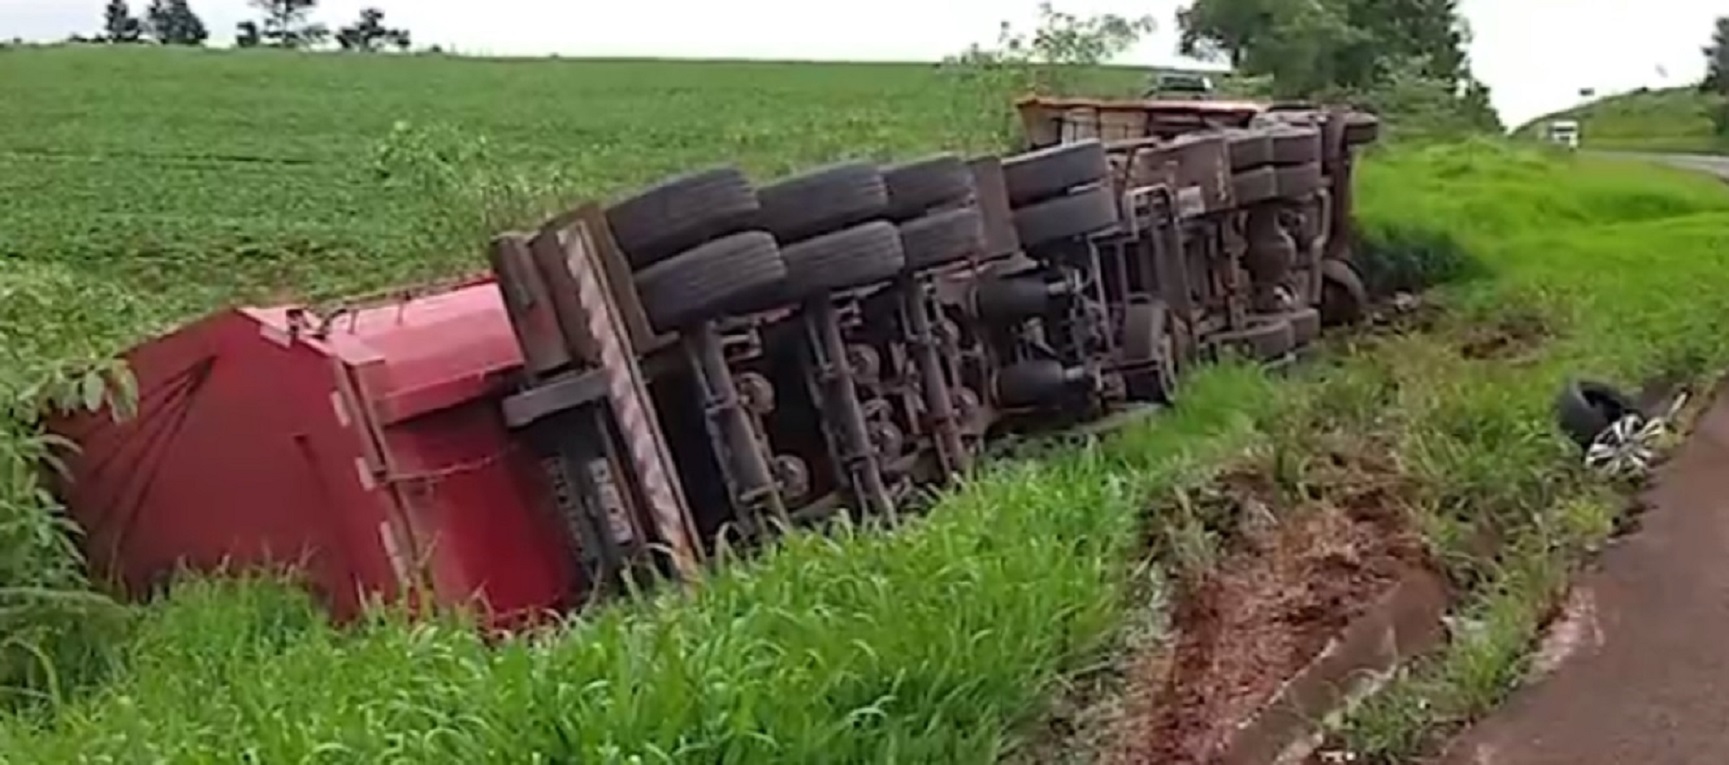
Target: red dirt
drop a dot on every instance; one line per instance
(1512, 337)
(1267, 610)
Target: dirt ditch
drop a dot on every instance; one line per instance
(1514, 337)
(1294, 570)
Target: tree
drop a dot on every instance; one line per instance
(370, 34)
(1228, 29)
(1717, 75)
(1717, 60)
(172, 22)
(285, 24)
(119, 25)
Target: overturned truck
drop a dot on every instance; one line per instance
(711, 361)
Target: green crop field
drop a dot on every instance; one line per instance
(145, 185)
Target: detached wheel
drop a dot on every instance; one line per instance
(1586, 408)
(1039, 175)
(1086, 211)
(709, 281)
(823, 200)
(921, 185)
(848, 258)
(942, 238)
(680, 213)
(1150, 353)
(1344, 299)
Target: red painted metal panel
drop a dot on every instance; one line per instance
(372, 453)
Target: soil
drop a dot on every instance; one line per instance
(1513, 337)
(1269, 607)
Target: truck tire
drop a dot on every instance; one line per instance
(851, 257)
(823, 200)
(1294, 145)
(1344, 299)
(710, 280)
(1086, 211)
(1249, 148)
(1362, 128)
(1031, 383)
(1040, 175)
(921, 185)
(941, 238)
(1148, 344)
(1299, 181)
(680, 213)
(1255, 187)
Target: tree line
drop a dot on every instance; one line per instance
(282, 24)
(1716, 82)
(1400, 56)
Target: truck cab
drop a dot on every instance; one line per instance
(1565, 133)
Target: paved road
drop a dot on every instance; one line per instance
(1648, 678)
(1706, 163)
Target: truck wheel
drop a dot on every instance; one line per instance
(923, 184)
(1086, 211)
(1299, 181)
(1039, 175)
(1362, 128)
(1148, 345)
(680, 213)
(852, 257)
(708, 281)
(1249, 148)
(1030, 383)
(823, 200)
(942, 238)
(1255, 187)
(1266, 338)
(1294, 145)
(1344, 300)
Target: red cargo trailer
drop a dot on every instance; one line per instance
(365, 450)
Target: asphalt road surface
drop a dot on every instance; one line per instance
(1705, 163)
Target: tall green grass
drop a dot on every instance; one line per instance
(926, 645)
(1626, 269)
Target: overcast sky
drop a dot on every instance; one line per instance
(1537, 54)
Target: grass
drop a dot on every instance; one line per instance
(1671, 120)
(936, 643)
